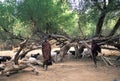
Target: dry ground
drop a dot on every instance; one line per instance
(72, 70)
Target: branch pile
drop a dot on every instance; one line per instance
(16, 65)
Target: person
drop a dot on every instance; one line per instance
(95, 48)
(46, 51)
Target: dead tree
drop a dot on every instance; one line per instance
(112, 40)
(11, 67)
(16, 65)
(22, 45)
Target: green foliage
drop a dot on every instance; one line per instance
(9, 23)
(53, 12)
(21, 29)
(89, 14)
(26, 17)
(6, 18)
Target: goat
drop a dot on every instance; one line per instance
(86, 52)
(35, 55)
(4, 58)
(54, 55)
(71, 52)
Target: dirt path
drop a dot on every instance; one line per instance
(81, 70)
(72, 70)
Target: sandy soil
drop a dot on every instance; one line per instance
(70, 70)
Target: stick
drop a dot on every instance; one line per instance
(104, 60)
(108, 60)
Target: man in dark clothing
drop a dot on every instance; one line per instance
(46, 51)
(95, 49)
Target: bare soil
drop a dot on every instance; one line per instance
(69, 70)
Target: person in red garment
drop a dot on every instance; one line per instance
(46, 51)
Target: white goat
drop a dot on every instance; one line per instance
(54, 56)
(86, 52)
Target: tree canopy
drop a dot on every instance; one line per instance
(25, 18)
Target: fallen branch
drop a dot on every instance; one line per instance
(22, 45)
(110, 48)
(28, 50)
(106, 60)
(10, 67)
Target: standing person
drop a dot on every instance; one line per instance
(46, 51)
(95, 49)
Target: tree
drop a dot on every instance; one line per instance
(105, 7)
(46, 16)
(117, 25)
(95, 12)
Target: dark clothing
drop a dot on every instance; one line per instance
(46, 51)
(95, 49)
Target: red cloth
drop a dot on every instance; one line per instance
(46, 50)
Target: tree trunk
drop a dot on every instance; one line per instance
(76, 51)
(117, 25)
(16, 56)
(80, 27)
(64, 50)
(100, 23)
(102, 16)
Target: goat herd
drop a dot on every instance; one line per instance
(37, 59)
